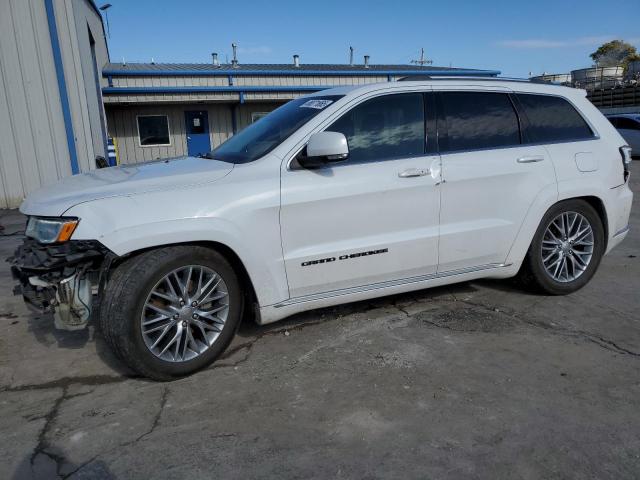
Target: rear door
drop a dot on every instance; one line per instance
(490, 178)
(372, 218)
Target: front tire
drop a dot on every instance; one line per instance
(172, 311)
(566, 249)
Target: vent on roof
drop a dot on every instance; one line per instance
(214, 58)
(296, 60)
(366, 61)
(351, 56)
(234, 61)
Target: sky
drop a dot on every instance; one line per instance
(516, 37)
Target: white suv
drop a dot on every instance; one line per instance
(347, 194)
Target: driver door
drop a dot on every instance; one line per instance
(372, 218)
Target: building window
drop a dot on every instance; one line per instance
(153, 130)
(255, 116)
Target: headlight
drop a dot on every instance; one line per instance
(51, 230)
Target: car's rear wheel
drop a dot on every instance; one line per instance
(566, 250)
(171, 311)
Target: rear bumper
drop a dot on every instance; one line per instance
(619, 211)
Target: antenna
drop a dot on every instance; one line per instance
(422, 62)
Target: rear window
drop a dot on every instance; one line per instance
(552, 119)
(479, 120)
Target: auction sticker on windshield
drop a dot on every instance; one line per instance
(318, 104)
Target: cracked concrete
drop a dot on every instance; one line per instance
(477, 380)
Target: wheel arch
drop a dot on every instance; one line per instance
(229, 253)
(598, 206)
(535, 215)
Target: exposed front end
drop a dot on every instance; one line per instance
(57, 274)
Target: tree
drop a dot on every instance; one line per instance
(615, 52)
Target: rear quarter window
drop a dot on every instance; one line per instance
(552, 119)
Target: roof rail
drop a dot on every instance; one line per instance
(411, 78)
(415, 78)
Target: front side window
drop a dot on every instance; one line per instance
(391, 126)
(261, 137)
(552, 119)
(479, 120)
(153, 130)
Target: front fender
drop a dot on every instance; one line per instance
(118, 224)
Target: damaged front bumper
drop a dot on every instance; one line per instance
(61, 278)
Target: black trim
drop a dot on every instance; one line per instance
(56, 261)
(442, 126)
(431, 123)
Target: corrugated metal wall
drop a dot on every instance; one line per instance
(123, 127)
(244, 80)
(33, 146)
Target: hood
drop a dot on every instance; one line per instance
(128, 180)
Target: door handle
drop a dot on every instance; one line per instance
(531, 159)
(414, 172)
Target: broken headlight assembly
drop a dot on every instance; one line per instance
(51, 230)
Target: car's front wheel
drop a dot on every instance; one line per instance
(566, 250)
(172, 311)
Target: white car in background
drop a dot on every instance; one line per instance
(628, 125)
(340, 196)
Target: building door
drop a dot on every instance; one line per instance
(198, 141)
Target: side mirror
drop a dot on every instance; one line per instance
(323, 148)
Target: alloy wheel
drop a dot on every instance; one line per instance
(184, 313)
(567, 246)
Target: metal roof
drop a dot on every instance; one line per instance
(115, 69)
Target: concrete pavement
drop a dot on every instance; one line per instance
(476, 380)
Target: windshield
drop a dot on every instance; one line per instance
(261, 137)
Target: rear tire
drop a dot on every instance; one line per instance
(566, 249)
(157, 293)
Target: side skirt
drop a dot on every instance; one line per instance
(272, 313)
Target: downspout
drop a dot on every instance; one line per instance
(62, 86)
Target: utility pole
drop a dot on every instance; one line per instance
(422, 62)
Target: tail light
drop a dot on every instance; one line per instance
(626, 160)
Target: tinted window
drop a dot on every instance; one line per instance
(479, 120)
(552, 119)
(261, 137)
(613, 120)
(628, 123)
(153, 130)
(391, 126)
